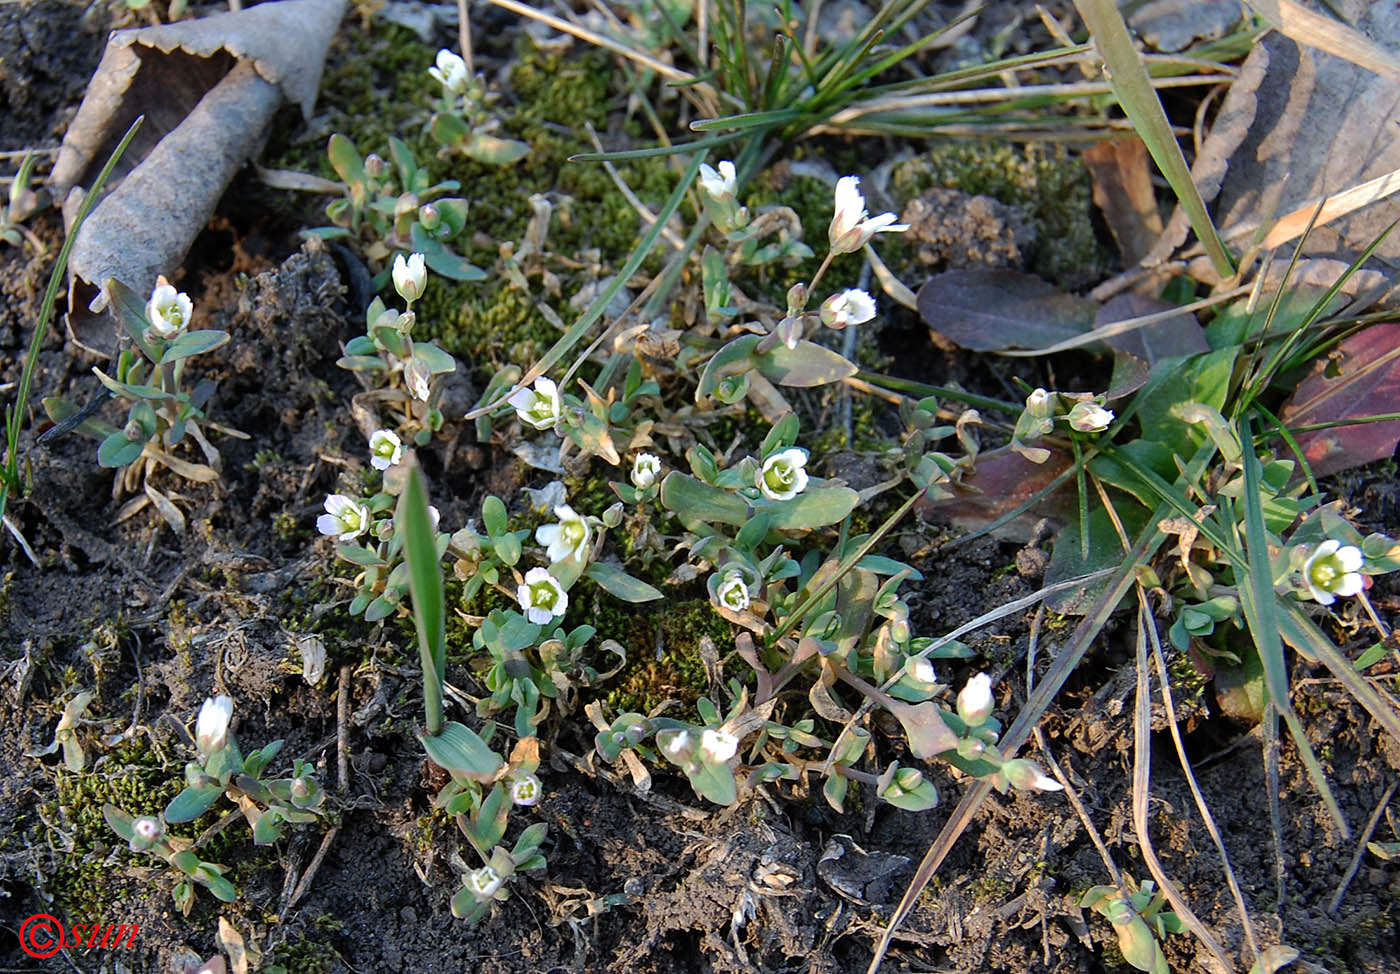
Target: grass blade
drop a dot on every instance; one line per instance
(414, 522)
(1261, 603)
(1133, 88)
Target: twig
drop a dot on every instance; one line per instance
(342, 730)
(310, 873)
(1361, 841)
(464, 35)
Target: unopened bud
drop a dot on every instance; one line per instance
(429, 217)
(796, 299)
(975, 700)
(375, 166)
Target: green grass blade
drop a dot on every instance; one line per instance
(1133, 88)
(1261, 604)
(9, 476)
(414, 522)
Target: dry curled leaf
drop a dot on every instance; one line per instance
(208, 89)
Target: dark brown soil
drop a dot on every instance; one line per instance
(636, 883)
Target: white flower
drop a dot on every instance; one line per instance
(541, 596)
(410, 276)
(484, 882)
(732, 593)
(1026, 775)
(418, 376)
(451, 72)
(975, 700)
(169, 310)
(721, 184)
(1333, 570)
(146, 831)
(645, 469)
(718, 746)
(385, 449)
(1089, 417)
(344, 517)
(851, 226)
(211, 728)
(525, 789)
(851, 307)
(782, 478)
(921, 670)
(539, 407)
(568, 537)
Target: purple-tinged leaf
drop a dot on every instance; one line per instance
(995, 310)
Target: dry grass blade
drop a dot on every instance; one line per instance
(1325, 34)
(1142, 773)
(1162, 675)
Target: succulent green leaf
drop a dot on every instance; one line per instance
(191, 803)
(617, 582)
(809, 364)
(194, 343)
(460, 749)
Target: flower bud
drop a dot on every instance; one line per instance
(211, 727)
(375, 166)
(645, 469)
(1089, 417)
(146, 832)
(429, 217)
(1026, 775)
(975, 700)
(612, 517)
(796, 299)
(410, 276)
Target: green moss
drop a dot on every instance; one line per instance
(136, 777)
(304, 956)
(647, 682)
(1051, 191)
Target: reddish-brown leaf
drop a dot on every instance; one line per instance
(1362, 378)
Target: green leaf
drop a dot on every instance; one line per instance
(734, 358)
(130, 309)
(415, 525)
(360, 555)
(119, 821)
(117, 451)
(380, 608)
(529, 841)
(493, 516)
(809, 364)
(615, 581)
(220, 887)
(494, 150)
(345, 159)
(194, 343)
(191, 803)
(438, 361)
(460, 749)
(781, 436)
(815, 507)
(714, 782)
(688, 497)
(361, 363)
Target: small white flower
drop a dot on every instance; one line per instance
(451, 72)
(538, 407)
(718, 746)
(484, 882)
(850, 307)
(975, 700)
(645, 469)
(1089, 417)
(541, 596)
(782, 476)
(418, 376)
(569, 537)
(169, 311)
(385, 449)
(922, 671)
(344, 517)
(410, 276)
(1333, 570)
(732, 593)
(719, 184)
(851, 226)
(525, 789)
(211, 728)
